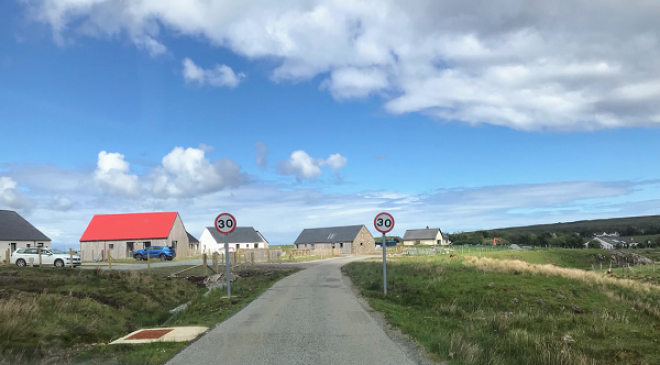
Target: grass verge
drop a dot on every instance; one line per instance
(487, 311)
(61, 316)
(203, 311)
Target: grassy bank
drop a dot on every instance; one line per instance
(45, 312)
(202, 311)
(51, 316)
(573, 258)
(483, 311)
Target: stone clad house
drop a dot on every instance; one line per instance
(16, 232)
(122, 234)
(351, 239)
(242, 238)
(428, 236)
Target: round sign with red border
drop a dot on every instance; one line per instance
(384, 222)
(225, 223)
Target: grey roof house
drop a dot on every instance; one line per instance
(428, 236)
(16, 232)
(350, 239)
(242, 238)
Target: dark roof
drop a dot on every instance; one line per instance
(191, 238)
(240, 235)
(421, 234)
(616, 240)
(13, 227)
(445, 236)
(329, 234)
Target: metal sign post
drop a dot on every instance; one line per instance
(384, 222)
(225, 223)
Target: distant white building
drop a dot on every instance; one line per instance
(611, 240)
(428, 236)
(242, 238)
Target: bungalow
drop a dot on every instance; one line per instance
(351, 239)
(16, 232)
(610, 241)
(122, 234)
(428, 236)
(241, 238)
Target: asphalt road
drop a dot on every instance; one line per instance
(311, 317)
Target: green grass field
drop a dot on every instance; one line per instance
(579, 259)
(487, 311)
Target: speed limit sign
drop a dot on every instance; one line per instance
(384, 222)
(225, 223)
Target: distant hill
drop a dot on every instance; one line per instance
(628, 226)
(571, 234)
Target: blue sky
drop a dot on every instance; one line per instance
(461, 123)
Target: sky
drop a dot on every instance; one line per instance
(310, 113)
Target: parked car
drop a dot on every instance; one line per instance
(161, 252)
(30, 256)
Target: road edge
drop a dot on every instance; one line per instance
(228, 317)
(409, 346)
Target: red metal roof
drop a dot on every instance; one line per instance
(132, 226)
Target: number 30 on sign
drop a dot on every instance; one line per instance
(384, 222)
(225, 223)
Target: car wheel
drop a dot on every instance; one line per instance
(20, 263)
(59, 263)
(162, 257)
(139, 257)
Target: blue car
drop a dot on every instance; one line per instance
(161, 252)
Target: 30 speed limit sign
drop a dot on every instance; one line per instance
(225, 223)
(384, 222)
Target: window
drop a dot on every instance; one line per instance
(333, 245)
(40, 244)
(174, 244)
(147, 243)
(312, 246)
(238, 245)
(256, 245)
(361, 243)
(31, 251)
(28, 245)
(111, 245)
(331, 236)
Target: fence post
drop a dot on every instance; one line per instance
(215, 262)
(92, 258)
(252, 258)
(71, 257)
(8, 253)
(205, 265)
(109, 260)
(148, 263)
(39, 249)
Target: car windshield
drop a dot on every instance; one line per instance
(59, 252)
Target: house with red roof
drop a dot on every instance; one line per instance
(121, 234)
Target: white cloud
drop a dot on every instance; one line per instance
(525, 64)
(336, 161)
(187, 172)
(10, 195)
(262, 153)
(61, 203)
(350, 82)
(112, 175)
(304, 167)
(220, 76)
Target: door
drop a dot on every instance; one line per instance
(13, 246)
(345, 248)
(47, 257)
(130, 246)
